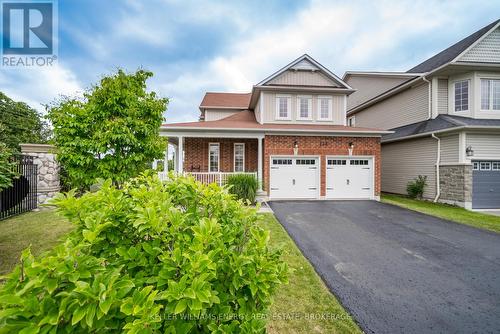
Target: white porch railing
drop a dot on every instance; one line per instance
(209, 177)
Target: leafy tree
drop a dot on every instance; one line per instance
(112, 133)
(151, 257)
(19, 123)
(7, 167)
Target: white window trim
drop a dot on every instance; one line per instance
(330, 108)
(234, 157)
(490, 109)
(218, 160)
(289, 105)
(353, 118)
(309, 108)
(468, 95)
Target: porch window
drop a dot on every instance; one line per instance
(324, 108)
(462, 95)
(213, 157)
(304, 106)
(239, 157)
(490, 95)
(283, 107)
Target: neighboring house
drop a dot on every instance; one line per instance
(289, 131)
(445, 114)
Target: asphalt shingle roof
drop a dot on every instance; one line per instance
(441, 122)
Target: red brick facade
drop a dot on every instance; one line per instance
(196, 154)
(322, 146)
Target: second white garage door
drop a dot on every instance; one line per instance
(294, 178)
(349, 178)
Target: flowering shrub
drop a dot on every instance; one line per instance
(152, 257)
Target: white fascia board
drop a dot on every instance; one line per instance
(177, 131)
(305, 88)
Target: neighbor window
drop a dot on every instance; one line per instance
(490, 94)
(283, 107)
(239, 157)
(462, 95)
(304, 106)
(351, 121)
(213, 157)
(324, 108)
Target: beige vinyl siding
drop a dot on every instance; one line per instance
(442, 99)
(338, 109)
(486, 146)
(369, 87)
(405, 160)
(216, 114)
(449, 149)
(486, 51)
(409, 106)
(302, 78)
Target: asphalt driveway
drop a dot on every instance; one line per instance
(399, 271)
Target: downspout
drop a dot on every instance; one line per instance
(430, 96)
(438, 161)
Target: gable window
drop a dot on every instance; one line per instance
(490, 95)
(304, 107)
(239, 157)
(461, 95)
(324, 108)
(283, 107)
(351, 121)
(213, 157)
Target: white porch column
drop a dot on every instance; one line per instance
(180, 157)
(176, 154)
(259, 162)
(165, 160)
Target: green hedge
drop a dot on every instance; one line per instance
(152, 257)
(244, 186)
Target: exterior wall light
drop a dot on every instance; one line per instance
(351, 147)
(469, 151)
(295, 148)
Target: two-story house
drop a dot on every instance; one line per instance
(445, 114)
(290, 131)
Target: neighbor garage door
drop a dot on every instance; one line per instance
(486, 185)
(349, 178)
(294, 178)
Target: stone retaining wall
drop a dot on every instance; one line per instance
(48, 169)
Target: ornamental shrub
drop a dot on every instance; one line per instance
(244, 186)
(415, 188)
(151, 257)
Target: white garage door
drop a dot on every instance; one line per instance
(349, 178)
(293, 177)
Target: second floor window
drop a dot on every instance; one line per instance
(283, 107)
(304, 104)
(324, 108)
(213, 157)
(490, 94)
(462, 95)
(351, 121)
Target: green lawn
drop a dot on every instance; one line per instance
(42, 230)
(449, 212)
(305, 305)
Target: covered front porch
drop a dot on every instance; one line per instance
(213, 157)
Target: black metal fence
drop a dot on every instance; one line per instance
(22, 195)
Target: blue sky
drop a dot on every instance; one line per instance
(198, 46)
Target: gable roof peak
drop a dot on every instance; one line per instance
(451, 53)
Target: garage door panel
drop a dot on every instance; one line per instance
(349, 178)
(294, 177)
(486, 185)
